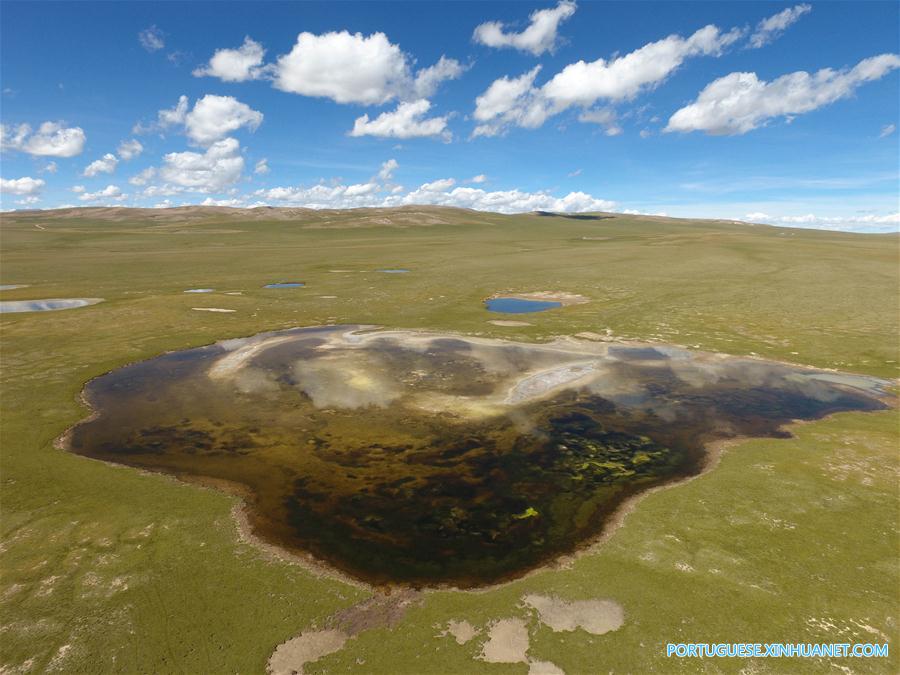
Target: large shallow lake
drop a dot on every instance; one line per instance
(403, 457)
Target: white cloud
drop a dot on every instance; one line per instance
(506, 102)
(771, 28)
(261, 167)
(345, 67)
(78, 189)
(740, 102)
(889, 222)
(13, 138)
(574, 174)
(143, 177)
(887, 130)
(515, 101)
(323, 196)
(234, 202)
(151, 39)
(168, 117)
(25, 186)
(130, 149)
(50, 168)
(537, 38)
(214, 117)
(605, 117)
(407, 121)
(480, 178)
(173, 116)
(428, 79)
(386, 172)
(235, 65)
(440, 185)
(212, 171)
(501, 201)
(52, 139)
(106, 164)
(626, 76)
(354, 68)
(111, 193)
(636, 212)
(444, 191)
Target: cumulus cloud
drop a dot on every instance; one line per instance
(499, 201)
(261, 167)
(236, 65)
(214, 117)
(516, 101)
(106, 164)
(505, 102)
(537, 38)
(625, 77)
(219, 167)
(345, 67)
(130, 149)
(444, 191)
(323, 196)
(740, 102)
(407, 121)
(111, 193)
(889, 222)
(480, 178)
(23, 187)
(52, 139)
(50, 168)
(771, 28)
(887, 130)
(211, 119)
(354, 68)
(151, 39)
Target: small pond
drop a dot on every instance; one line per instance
(285, 284)
(398, 270)
(519, 305)
(200, 290)
(49, 305)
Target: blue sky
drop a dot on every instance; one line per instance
(772, 112)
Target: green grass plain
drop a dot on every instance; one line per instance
(107, 569)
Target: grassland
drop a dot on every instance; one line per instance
(108, 569)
